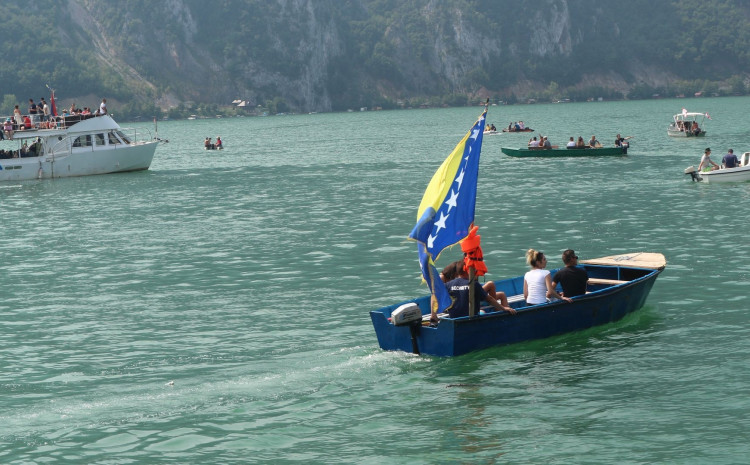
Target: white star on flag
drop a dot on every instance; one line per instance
(451, 202)
(440, 223)
(460, 178)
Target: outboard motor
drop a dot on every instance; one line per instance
(406, 314)
(693, 173)
(409, 314)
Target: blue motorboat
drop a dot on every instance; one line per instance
(618, 285)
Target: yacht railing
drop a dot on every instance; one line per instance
(43, 122)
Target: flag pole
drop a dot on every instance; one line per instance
(472, 270)
(472, 294)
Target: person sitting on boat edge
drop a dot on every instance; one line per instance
(546, 144)
(580, 143)
(219, 143)
(458, 288)
(572, 143)
(622, 141)
(572, 278)
(454, 270)
(593, 143)
(537, 284)
(533, 142)
(706, 161)
(8, 129)
(730, 160)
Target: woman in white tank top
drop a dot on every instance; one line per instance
(537, 283)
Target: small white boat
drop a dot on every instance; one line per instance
(688, 124)
(739, 174)
(76, 146)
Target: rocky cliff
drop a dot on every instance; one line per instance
(320, 55)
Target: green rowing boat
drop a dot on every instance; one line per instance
(565, 152)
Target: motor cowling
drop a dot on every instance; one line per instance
(406, 314)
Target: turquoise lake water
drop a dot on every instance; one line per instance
(214, 309)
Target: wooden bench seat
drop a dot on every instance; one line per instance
(612, 282)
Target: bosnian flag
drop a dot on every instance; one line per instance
(447, 208)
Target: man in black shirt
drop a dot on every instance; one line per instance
(33, 112)
(730, 160)
(572, 278)
(459, 291)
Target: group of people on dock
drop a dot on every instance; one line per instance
(42, 116)
(538, 285)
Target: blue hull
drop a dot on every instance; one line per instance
(605, 303)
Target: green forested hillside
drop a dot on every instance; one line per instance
(322, 55)
(43, 47)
